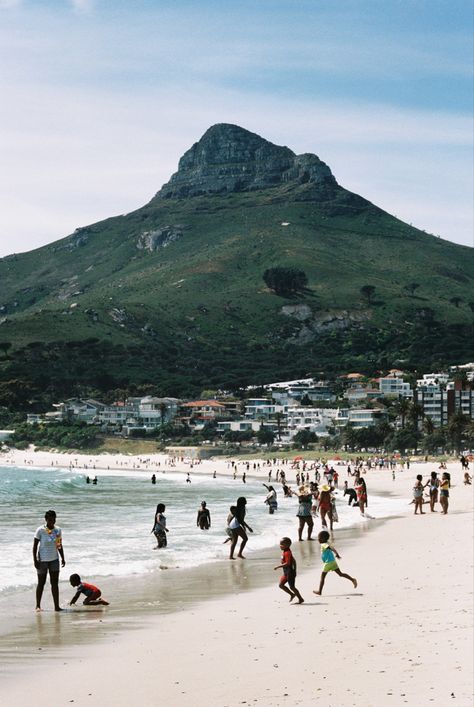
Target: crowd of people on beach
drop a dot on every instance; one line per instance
(317, 483)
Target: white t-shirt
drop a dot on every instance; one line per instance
(49, 541)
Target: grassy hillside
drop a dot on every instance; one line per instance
(94, 309)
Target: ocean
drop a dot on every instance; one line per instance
(106, 528)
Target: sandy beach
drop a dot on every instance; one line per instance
(229, 636)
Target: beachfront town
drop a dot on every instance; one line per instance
(356, 410)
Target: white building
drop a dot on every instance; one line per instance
(262, 408)
(395, 386)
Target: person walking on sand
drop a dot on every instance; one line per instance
(47, 547)
(328, 556)
(238, 526)
(288, 565)
(159, 529)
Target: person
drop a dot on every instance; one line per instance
(328, 556)
(351, 493)
(203, 520)
(238, 526)
(214, 475)
(188, 478)
(93, 594)
(325, 506)
(153, 479)
(94, 480)
(244, 478)
(418, 494)
(47, 547)
(467, 478)
(361, 490)
(159, 527)
(304, 514)
(88, 480)
(288, 565)
(230, 524)
(433, 483)
(271, 499)
(444, 492)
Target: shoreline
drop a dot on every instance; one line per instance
(214, 596)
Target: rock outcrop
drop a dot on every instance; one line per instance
(159, 238)
(229, 159)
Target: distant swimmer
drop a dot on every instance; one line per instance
(153, 478)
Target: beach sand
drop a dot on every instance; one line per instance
(229, 637)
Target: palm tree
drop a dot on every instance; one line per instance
(428, 426)
(415, 412)
(278, 418)
(402, 407)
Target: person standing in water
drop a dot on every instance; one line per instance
(47, 547)
(238, 526)
(203, 520)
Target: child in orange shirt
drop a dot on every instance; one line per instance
(288, 564)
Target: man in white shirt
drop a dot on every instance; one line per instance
(47, 546)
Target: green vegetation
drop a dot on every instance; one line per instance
(93, 312)
(55, 435)
(285, 281)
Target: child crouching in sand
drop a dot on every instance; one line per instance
(328, 556)
(288, 565)
(93, 594)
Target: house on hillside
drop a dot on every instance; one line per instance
(199, 412)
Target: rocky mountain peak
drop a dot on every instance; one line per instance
(230, 159)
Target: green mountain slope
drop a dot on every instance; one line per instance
(173, 293)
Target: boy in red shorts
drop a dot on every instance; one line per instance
(93, 594)
(288, 565)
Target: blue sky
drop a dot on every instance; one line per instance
(100, 99)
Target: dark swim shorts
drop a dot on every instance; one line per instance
(52, 566)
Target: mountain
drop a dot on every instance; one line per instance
(173, 293)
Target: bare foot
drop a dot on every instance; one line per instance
(231, 558)
(301, 600)
(38, 609)
(57, 608)
(354, 582)
(316, 592)
(292, 597)
(241, 557)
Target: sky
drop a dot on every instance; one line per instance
(100, 98)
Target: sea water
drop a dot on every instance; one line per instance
(107, 527)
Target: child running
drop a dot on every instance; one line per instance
(328, 555)
(93, 594)
(288, 564)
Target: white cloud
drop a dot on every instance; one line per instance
(82, 6)
(9, 4)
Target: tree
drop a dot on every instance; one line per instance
(303, 438)
(428, 426)
(456, 300)
(412, 287)
(368, 292)
(456, 430)
(265, 436)
(285, 281)
(279, 418)
(402, 408)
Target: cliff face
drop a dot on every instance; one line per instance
(229, 159)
